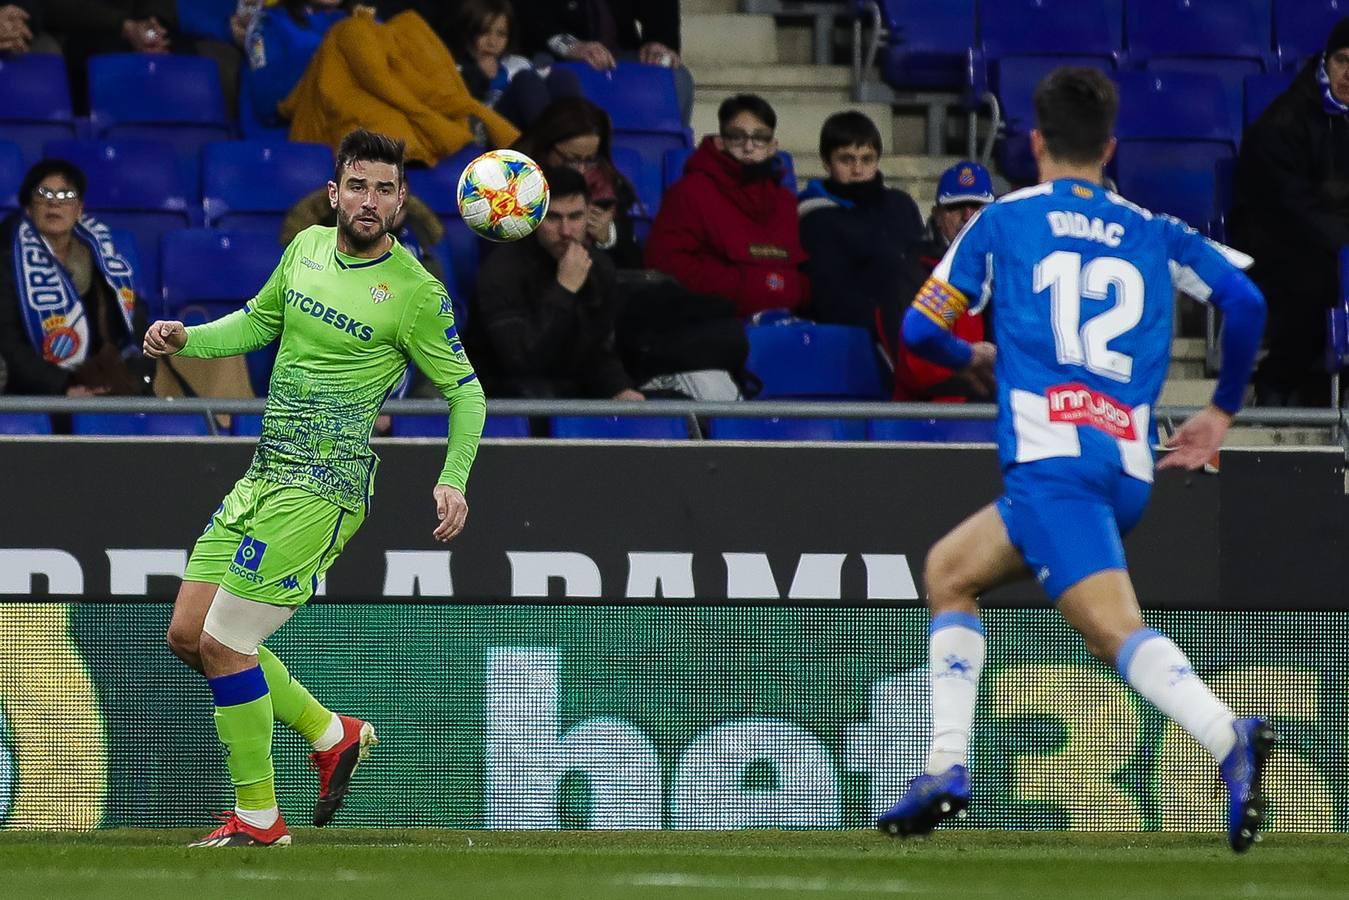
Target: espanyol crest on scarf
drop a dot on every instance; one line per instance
(53, 312)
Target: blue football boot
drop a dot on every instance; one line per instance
(1241, 770)
(929, 800)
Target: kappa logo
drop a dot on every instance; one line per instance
(380, 292)
(316, 266)
(290, 582)
(446, 307)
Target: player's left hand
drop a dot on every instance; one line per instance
(1197, 441)
(451, 509)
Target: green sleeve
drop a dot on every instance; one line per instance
(431, 340)
(254, 326)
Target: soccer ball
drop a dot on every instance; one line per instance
(503, 195)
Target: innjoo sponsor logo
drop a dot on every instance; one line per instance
(1078, 404)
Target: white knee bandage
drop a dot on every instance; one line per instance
(243, 624)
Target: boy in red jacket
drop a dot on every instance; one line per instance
(728, 227)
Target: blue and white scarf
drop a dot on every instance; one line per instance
(53, 312)
(1328, 102)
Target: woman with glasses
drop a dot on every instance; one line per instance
(71, 321)
(729, 227)
(575, 133)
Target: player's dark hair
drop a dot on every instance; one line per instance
(849, 129)
(751, 103)
(369, 146)
(564, 181)
(45, 169)
(1075, 111)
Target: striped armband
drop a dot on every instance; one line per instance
(941, 303)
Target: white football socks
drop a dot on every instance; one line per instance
(331, 736)
(259, 818)
(955, 659)
(1159, 671)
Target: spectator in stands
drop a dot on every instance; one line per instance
(327, 68)
(601, 32)
(70, 319)
(963, 190)
(575, 133)
(21, 30)
(728, 227)
(509, 84)
(544, 313)
(88, 27)
(1290, 210)
(859, 235)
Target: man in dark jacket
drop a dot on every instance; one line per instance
(1290, 210)
(600, 32)
(859, 235)
(542, 324)
(728, 227)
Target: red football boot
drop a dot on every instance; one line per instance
(238, 833)
(336, 766)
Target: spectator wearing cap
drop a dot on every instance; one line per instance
(860, 237)
(1290, 210)
(963, 190)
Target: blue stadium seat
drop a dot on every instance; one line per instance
(1158, 30)
(172, 98)
(25, 423)
(1017, 78)
(637, 97)
(775, 429)
(1177, 178)
(139, 424)
(651, 428)
(208, 265)
(144, 266)
(35, 102)
(1052, 28)
(645, 178)
(1337, 323)
(809, 360)
(1177, 106)
(929, 43)
(12, 170)
(207, 18)
(247, 425)
(438, 187)
(259, 362)
(946, 431)
(1302, 26)
(251, 125)
(439, 426)
(1262, 90)
(253, 184)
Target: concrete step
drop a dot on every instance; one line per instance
(799, 119)
(730, 78)
(1187, 392)
(1278, 437)
(700, 7)
(725, 39)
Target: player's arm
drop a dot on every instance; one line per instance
(254, 326)
(1212, 273)
(945, 297)
(430, 338)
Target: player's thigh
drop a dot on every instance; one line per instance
(974, 557)
(207, 564)
(189, 612)
(289, 541)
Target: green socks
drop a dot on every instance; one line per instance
(243, 719)
(292, 704)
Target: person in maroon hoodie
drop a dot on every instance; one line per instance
(728, 227)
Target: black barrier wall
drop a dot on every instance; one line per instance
(707, 523)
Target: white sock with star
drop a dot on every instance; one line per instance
(955, 659)
(1157, 669)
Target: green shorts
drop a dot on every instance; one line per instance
(271, 543)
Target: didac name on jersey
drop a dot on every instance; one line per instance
(330, 316)
(1076, 225)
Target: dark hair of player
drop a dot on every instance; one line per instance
(1075, 111)
(369, 146)
(750, 103)
(849, 129)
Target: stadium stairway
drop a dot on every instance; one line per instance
(729, 52)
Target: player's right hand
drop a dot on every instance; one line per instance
(979, 373)
(164, 339)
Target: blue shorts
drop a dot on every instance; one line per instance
(1067, 517)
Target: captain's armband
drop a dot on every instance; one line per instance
(941, 303)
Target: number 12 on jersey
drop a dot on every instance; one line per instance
(1068, 283)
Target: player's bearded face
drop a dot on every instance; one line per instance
(368, 203)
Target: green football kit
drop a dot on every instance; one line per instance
(348, 328)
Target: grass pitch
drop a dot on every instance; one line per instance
(406, 864)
